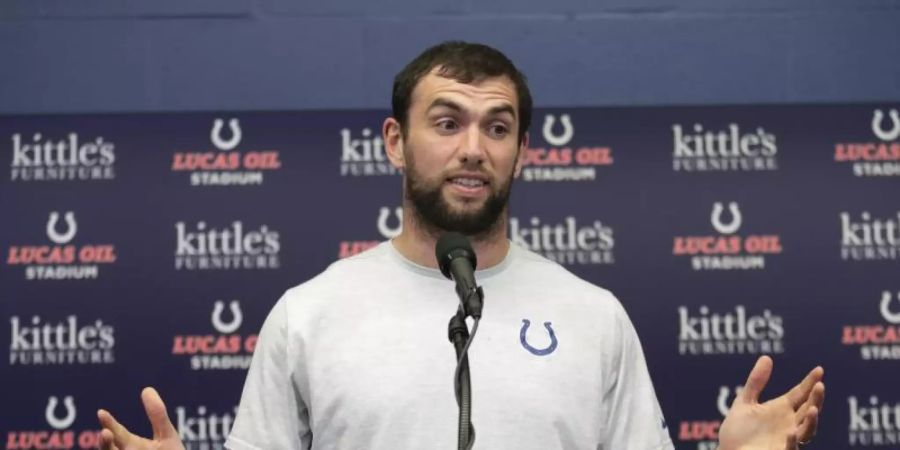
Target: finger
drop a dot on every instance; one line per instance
(799, 393)
(792, 442)
(810, 424)
(757, 380)
(816, 397)
(156, 412)
(120, 435)
(106, 440)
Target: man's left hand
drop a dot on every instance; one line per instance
(782, 423)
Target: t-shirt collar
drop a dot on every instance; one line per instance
(480, 274)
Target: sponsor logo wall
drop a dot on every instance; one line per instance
(147, 249)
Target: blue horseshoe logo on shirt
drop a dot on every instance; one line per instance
(538, 351)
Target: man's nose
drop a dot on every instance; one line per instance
(472, 146)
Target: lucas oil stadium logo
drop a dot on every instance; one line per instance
(877, 340)
(65, 257)
(728, 249)
(703, 434)
(562, 157)
(225, 349)
(389, 223)
(879, 157)
(226, 165)
(60, 432)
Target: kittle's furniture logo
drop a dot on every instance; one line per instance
(39, 157)
(204, 247)
(698, 149)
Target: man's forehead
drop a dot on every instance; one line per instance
(493, 91)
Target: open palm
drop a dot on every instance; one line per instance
(778, 424)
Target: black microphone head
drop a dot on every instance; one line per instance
(450, 246)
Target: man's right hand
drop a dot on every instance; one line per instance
(115, 436)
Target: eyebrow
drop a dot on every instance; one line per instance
(450, 104)
(443, 102)
(497, 110)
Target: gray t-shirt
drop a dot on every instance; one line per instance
(358, 358)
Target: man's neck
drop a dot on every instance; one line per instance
(417, 244)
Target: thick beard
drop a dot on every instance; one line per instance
(435, 214)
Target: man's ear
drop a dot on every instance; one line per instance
(392, 133)
(520, 158)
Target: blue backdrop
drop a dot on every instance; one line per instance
(142, 212)
(146, 249)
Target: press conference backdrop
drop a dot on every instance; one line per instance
(146, 249)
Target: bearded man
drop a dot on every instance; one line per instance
(356, 358)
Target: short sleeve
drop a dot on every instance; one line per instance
(272, 414)
(635, 420)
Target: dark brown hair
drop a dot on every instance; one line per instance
(466, 63)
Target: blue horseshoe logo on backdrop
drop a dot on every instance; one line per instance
(538, 351)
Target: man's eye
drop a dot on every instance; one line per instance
(447, 125)
(499, 130)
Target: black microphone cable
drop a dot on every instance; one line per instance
(457, 261)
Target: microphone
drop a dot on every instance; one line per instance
(457, 262)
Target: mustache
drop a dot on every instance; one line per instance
(478, 172)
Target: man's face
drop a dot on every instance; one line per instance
(461, 152)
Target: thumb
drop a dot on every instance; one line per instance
(757, 380)
(156, 412)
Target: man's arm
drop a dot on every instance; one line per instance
(272, 415)
(635, 419)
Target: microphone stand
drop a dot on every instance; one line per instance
(471, 303)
